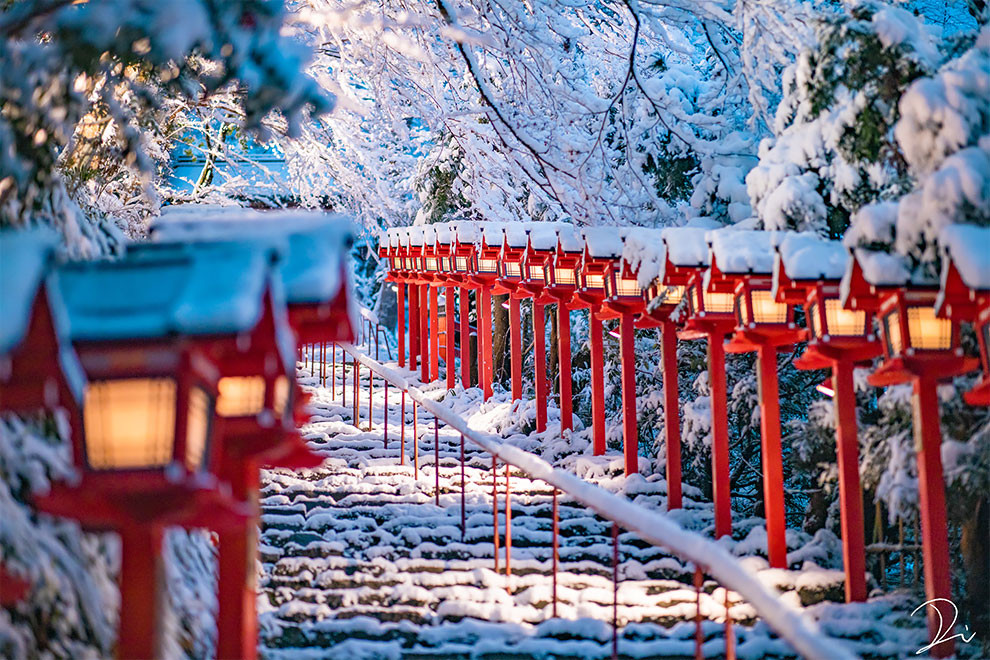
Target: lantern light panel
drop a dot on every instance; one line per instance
(130, 423)
(240, 396)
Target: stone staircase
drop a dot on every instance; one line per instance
(359, 561)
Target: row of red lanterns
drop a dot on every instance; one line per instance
(175, 367)
(711, 285)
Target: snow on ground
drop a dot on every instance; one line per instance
(359, 560)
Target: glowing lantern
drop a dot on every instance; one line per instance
(561, 282)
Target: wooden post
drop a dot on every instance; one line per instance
(597, 383)
(730, 636)
(485, 342)
(424, 333)
(463, 493)
(357, 392)
(400, 323)
(465, 300)
(615, 590)
(413, 325)
(237, 620)
(934, 529)
(850, 494)
(630, 427)
(450, 368)
(385, 414)
(508, 525)
(720, 436)
(671, 414)
(436, 460)
(434, 333)
(556, 550)
(515, 347)
(415, 444)
(495, 508)
(699, 637)
(402, 431)
(773, 469)
(540, 365)
(140, 568)
(564, 357)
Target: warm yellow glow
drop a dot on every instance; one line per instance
(129, 423)
(927, 331)
(197, 427)
(718, 303)
(844, 322)
(671, 295)
(431, 263)
(536, 273)
(281, 395)
(594, 281)
(512, 269)
(240, 396)
(629, 287)
(462, 263)
(487, 265)
(813, 321)
(892, 333)
(564, 276)
(766, 309)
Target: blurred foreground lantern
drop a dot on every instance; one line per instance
(965, 292)
(923, 349)
(742, 262)
(259, 403)
(709, 315)
(602, 246)
(149, 455)
(807, 271)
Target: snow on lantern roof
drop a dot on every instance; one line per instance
(569, 238)
(808, 256)
(686, 246)
(968, 248)
(492, 233)
(603, 242)
(25, 259)
(516, 233)
(742, 250)
(543, 235)
(429, 235)
(401, 236)
(214, 288)
(444, 236)
(643, 250)
(416, 236)
(466, 231)
(318, 242)
(881, 268)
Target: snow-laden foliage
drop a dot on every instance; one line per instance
(82, 84)
(594, 112)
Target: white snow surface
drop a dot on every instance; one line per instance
(643, 249)
(808, 256)
(968, 247)
(604, 242)
(686, 246)
(25, 258)
(569, 238)
(742, 251)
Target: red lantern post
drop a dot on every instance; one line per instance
(514, 241)
(742, 262)
(390, 249)
(465, 237)
(485, 275)
(561, 284)
(922, 349)
(709, 316)
(807, 272)
(536, 262)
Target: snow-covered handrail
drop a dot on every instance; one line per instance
(648, 525)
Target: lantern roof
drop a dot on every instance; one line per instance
(492, 234)
(25, 261)
(808, 256)
(741, 251)
(643, 250)
(569, 238)
(315, 244)
(416, 236)
(435, 233)
(603, 242)
(686, 246)
(466, 232)
(967, 248)
(517, 234)
(544, 235)
(215, 288)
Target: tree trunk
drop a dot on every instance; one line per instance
(975, 548)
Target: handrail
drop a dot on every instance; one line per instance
(648, 525)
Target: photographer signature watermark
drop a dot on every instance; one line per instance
(943, 630)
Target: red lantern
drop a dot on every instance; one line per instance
(514, 242)
(807, 271)
(561, 277)
(709, 316)
(965, 292)
(391, 249)
(924, 349)
(484, 274)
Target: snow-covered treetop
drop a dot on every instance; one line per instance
(603, 241)
(25, 259)
(686, 246)
(968, 248)
(742, 251)
(808, 256)
(214, 288)
(314, 244)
